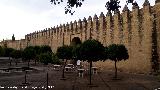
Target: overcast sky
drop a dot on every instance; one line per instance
(20, 17)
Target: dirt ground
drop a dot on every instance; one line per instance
(37, 80)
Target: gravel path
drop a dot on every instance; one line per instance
(101, 81)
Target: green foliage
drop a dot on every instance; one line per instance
(8, 51)
(45, 58)
(123, 53)
(16, 54)
(2, 51)
(117, 52)
(5, 52)
(158, 77)
(76, 52)
(28, 53)
(113, 5)
(105, 53)
(37, 57)
(34, 52)
(64, 52)
(70, 4)
(37, 49)
(45, 49)
(55, 59)
(92, 50)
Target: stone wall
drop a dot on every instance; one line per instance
(138, 30)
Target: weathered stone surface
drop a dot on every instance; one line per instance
(138, 30)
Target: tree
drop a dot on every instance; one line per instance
(2, 51)
(117, 52)
(91, 50)
(105, 54)
(45, 58)
(37, 51)
(111, 5)
(64, 52)
(55, 59)
(76, 43)
(76, 52)
(28, 54)
(16, 54)
(45, 49)
(70, 5)
(7, 51)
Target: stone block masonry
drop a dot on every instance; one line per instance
(138, 30)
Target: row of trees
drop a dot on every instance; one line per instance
(37, 53)
(92, 51)
(5, 52)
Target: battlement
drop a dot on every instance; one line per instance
(94, 23)
(138, 30)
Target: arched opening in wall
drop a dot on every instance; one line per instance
(75, 41)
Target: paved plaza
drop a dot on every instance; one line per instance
(37, 80)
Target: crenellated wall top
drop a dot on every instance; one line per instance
(73, 24)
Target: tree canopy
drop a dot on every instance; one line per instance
(70, 4)
(16, 54)
(45, 49)
(7, 51)
(55, 59)
(28, 53)
(45, 58)
(112, 5)
(76, 52)
(64, 52)
(117, 52)
(92, 50)
(2, 52)
(37, 49)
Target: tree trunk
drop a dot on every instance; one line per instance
(25, 78)
(63, 69)
(47, 80)
(35, 61)
(115, 68)
(16, 61)
(28, 62)
(90, 74)
(10, 61)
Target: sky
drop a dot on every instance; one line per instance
(21, 17)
